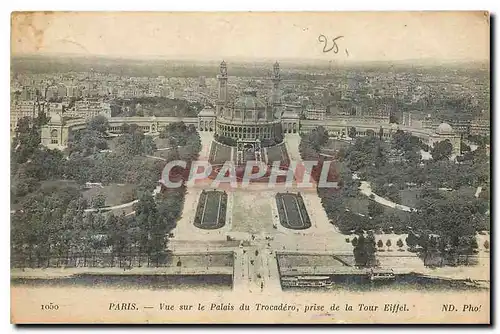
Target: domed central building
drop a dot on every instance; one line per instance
(247, 123)
(248, 119)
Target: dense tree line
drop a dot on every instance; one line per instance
(52, 229)
(32, 163)
(408, 146)
(154, 106)
(436, 250)
(50, 222)
(29, 163)
(180, 134)
(90, 140)
(364, 250)
(482, 141)
(312, 142)
(133, 142)
(452, 218)
(114, 168)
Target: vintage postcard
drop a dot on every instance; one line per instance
(237, 167)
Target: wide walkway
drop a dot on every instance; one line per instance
(251, 216)
(366, 189)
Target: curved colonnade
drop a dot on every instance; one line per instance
(56, 134)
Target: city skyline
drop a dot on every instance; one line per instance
(404, 36)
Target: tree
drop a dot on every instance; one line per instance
(442, 150)
(486, 245)
(354, 242)
(380, 243)
(379, 156)
(42, 118)
(26, 141)
(364, 251)
(98, 201)
(98, 123)
(118, 236)
(400, 243)
(88, 141)
(128, 196)
(153, 227)
(125, 128)
(412, 240)
(23, 182)
(370, 250)
(135, 143)
(464, 147)
(352, 132)
(148, 145)
(359, 251)
(375, 209)
(473, 242)
(388, 243)
(316, 138)
(49, 223)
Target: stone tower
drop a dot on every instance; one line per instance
(276, 103)
(276, 79)
(222, 96)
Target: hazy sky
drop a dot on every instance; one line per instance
(367, 36)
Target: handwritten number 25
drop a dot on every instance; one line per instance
(334, 47)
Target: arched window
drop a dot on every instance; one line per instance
(54, 134)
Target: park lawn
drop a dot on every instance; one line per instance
(122, 211)
(166, 154)
(466, 192)
(112, 192)
(112, 144)
(357, 204)
(48, 185)
(410, 197)
(58, 183)
(334, 145)
(159, 111)
(161, 142)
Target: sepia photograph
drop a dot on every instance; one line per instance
(250, 167)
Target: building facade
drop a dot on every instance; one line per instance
(247, 117)
(20, 109)
(89, 108)
(249, 120)
(480, 126)
(315, 113)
